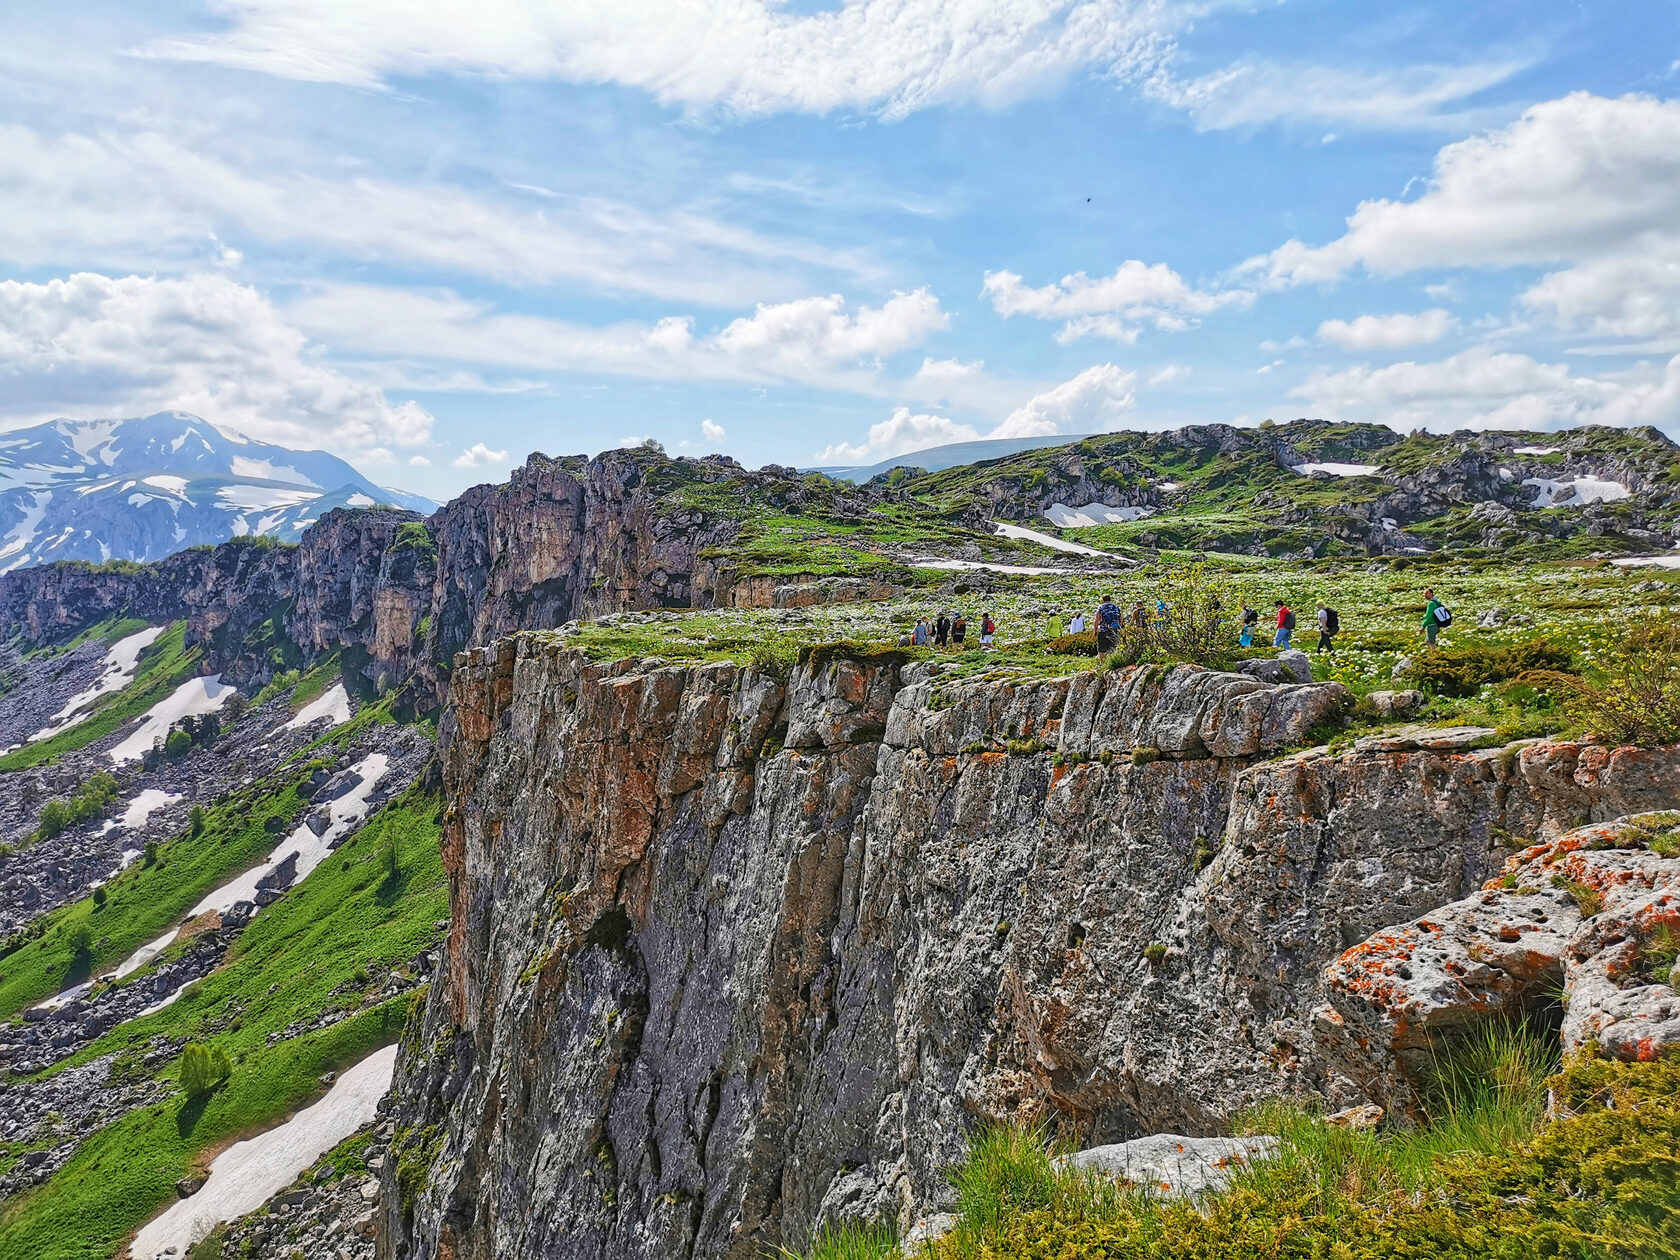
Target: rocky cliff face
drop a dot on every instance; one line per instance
(561, 539)
(729, 955)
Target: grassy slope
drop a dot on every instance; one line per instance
(320, 947)
(162, 667)
(143, 901)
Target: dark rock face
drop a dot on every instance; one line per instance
(728, 955)
(400, 595)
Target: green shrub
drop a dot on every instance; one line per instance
(203, 1069)
(179, 744)
(1632, 692)
(1081, 644)
(195, 821)
(1463, 671)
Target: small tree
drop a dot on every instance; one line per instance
(99, 897)
(203, 1068)
(391, 860)
(179, 744)
(55, 817)
(151, 852)
(195, 820)
(81, 939)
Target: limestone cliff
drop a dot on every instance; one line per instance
(730, 955)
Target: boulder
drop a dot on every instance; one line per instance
(1392, 704)
(1171, 1166)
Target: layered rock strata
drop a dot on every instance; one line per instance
(729, 955)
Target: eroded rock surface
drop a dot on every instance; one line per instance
(730, 955)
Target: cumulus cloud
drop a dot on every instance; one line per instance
(904, 432)
(752, 57)
(479, 455)
(942, 371)
(1255, 91)
(1387, 332)
(712, 432)
(1584, 181)
(1092, 402)
(1484, 388)
(91, 345)
(822, 341)
(1111, 306)
(142, 199)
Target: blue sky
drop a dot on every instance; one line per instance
(434, 235)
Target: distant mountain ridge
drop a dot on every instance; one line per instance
(952, 455)
(141, 489)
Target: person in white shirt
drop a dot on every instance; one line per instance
(1077, 625)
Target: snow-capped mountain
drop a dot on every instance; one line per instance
(145, 488)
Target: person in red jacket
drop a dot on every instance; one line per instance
(1285, 624)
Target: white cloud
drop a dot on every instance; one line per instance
(818, 340)
(1387, 332)
(1168, 374)
(942, 371)
(819, 331)
(1092, 402)
(91, 345)
(1584, 181)
(1111, 306)
(904, 432)
(419, 461)
(139, 200)
(749, 57)
(1483, 388)
(1256, 91)
(712, 432)
(479, 455)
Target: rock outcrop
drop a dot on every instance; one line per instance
(730, 955)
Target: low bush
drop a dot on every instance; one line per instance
(203, 1068)
(1463, 671)
(1632, 692)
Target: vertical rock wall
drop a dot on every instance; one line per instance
(729, 955)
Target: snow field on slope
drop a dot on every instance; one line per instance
(1088, 514)
(249, 1173)
(1048, 540)
(333, 703)
(204, 694)
(117, 672)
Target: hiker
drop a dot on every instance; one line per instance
(1285, 624)
(959, 631)
(1162, 613)
(942, 630)
(1329, 626)
(1435, 615)
(1250, 619)
(1108, 625)
(988, 628)
(1077, 624)
(1140, 619)
(921, 635)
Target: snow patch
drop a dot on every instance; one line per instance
(344, 813)
(23, 533)
(1335, 469)
(249, 1173)
(1535, 450)
(334, 703)
(144, 806)
(1575, 491)
(1658, 562)
(1049, 540)
(358, 500)
(115, 674)
(205, 694)
(1088, 514)
(263, 498)
(266, 470)
(163, 481)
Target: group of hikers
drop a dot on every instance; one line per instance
(951, 631)
(1110, 620)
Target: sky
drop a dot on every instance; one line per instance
(432, 236)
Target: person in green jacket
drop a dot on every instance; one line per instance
(1431, 623)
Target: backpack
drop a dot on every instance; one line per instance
(1332, 622)
(1108, 616)
(1443, 614)
(1289, 619)
(959, 627)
